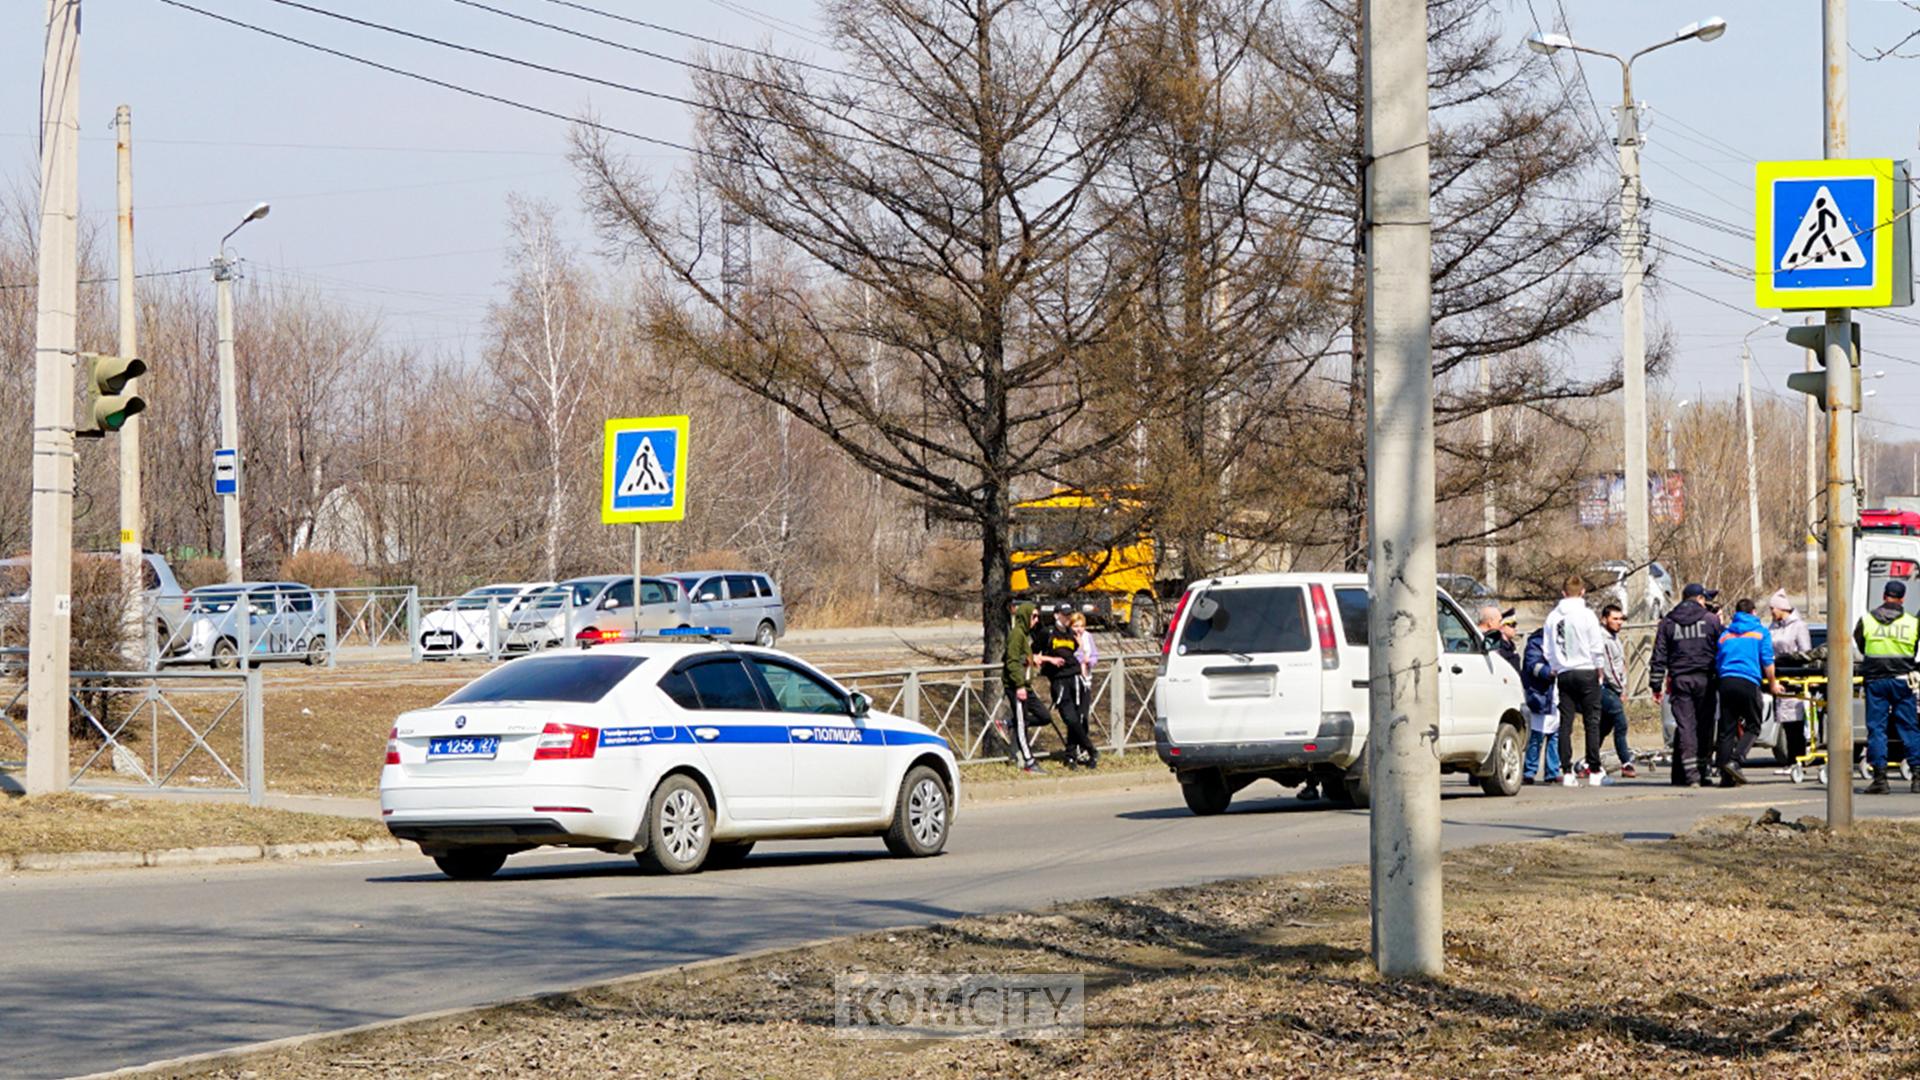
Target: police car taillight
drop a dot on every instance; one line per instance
(560, 742)
(393, 746)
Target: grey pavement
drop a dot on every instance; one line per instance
(115, 968)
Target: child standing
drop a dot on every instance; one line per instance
(1543, 713)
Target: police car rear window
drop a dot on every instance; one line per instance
(581, 679)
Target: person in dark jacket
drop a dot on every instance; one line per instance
(1887, 638)
(1543, 710)
(1684, 648)
(1061, 649)
(1744, 661)
(1498, 627)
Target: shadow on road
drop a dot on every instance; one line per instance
(597, 865)
(1273, 804)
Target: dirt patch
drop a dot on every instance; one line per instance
(72, 822)
(1736, 950)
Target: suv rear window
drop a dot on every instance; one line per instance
(579, 678)
(1257, 619)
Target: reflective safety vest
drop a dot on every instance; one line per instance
(1897, 638)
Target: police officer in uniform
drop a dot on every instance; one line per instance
(1887, 638)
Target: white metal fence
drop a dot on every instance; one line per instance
(966, 706)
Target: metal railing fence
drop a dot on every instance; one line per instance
(155, 731)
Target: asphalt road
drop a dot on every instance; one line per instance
(111, 969)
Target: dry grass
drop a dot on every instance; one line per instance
(74, 822)
(1733, 951)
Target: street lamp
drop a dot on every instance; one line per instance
(229, 407)
(1633, 348)
(1672, 464)
(1753, 473)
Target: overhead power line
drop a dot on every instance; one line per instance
(115, 278)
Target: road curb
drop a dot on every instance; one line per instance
(70, 861)
(1060, 787)
(189, 1064)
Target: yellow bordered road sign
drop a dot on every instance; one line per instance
(645, 470)
(1832, 234)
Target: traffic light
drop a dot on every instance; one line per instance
(1815, 382)
(111, 406)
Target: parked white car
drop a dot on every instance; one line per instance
(461, 627)
(1266, 676)
(684, 754)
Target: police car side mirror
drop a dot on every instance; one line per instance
(859, 705)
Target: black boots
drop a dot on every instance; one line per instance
(1879, 784)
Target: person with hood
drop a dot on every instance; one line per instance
(1576, 648)
(1744, 662)
(1016, 678)
(1543, 719)
(1887, 638)
(1790, 638)
(1683, 668)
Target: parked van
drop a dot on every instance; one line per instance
(1266, 676)
(747, 605)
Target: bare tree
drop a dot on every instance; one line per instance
(549, 340)
(1520, 238)
(948, 175)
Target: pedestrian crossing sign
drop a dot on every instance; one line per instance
(645, 470)
(1832, 234)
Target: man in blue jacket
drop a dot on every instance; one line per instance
(1543, 718)
(1743, 660)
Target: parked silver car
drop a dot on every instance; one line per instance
(283, 620)
(159, 588)
(747, 605)
(592, 610)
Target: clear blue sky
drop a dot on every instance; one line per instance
(388, 194)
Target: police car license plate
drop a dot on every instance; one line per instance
(465, 746)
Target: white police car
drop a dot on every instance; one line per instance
(679, 750)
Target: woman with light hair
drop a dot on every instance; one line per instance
(1790, 635)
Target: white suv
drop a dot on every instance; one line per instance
(1266, 675)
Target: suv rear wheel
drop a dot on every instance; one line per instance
(1358, 784)
(1206, 792)
(1504, 764)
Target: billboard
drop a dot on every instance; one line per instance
(1603, 501)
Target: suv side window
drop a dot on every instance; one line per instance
(149, 577)
(707, 591)
(652, 592)
(796, 691)
(766, 586)
(1455, 635)
(724, 683)
(741, 587)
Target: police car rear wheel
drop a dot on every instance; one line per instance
(727, 854)
(921, 815)
(679, 825)
(471, 864)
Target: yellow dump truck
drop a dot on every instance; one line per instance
(1092, 552)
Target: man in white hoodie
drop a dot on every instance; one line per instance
(1577, 649)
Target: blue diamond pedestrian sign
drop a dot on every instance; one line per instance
(645, 470)
(1832, 234)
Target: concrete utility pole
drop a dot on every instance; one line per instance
(1812, 504)
(223, 271)
(50, 617)
(132, 529)
(1404, 702)
(1633, 346)
(1489, 520)
(1840, 506)
(1753, 473)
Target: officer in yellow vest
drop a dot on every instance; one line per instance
(1888, 639)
